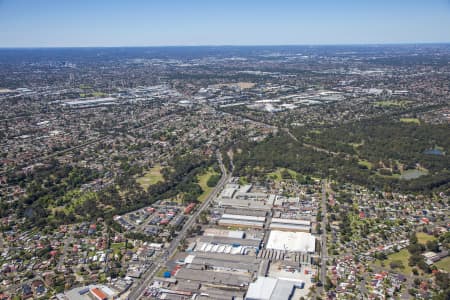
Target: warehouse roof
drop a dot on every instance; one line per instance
(243, 217)
(291, 221)
(231, 279)
(245, 212)
(231, 222)
(228, 193)
(267, 288)
(290, 227)
(261, 289)
(291, 241)
(229, 241)
(224, 233)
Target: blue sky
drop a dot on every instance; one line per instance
(67, 23)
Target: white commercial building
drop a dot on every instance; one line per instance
(291, 241)
(244, 218)
(267, 288)
(236, 234)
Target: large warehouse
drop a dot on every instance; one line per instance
(291, 241)
(242, 221)
(290, 225)
(267, 288)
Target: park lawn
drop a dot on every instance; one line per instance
(151, 177)
(356, 147)
(98, 94)
(117, 246)
(202, 182)
(161, 272)
(179, 198)
(243, 180)
(423, 237)
(74, 199)
(397, 103)
(403, 256)
(444, 264)
(276, 175)
(315, 131)
(410, 120)
(393, 176)
(366, 163)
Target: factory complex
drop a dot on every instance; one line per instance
(258, 243)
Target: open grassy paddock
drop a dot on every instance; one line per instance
(402, 256)
(151, 177)
(202, 181)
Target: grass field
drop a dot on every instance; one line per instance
(151, 177)
(413, 174)
(277, 174)
(161, 271)
(423, 238)
(401, 103)
(243, 180)
(116, 247)
(366, 163)
(444, 264)
(202, 181)
(315, 131)
(402, 256)
(393, 176)
(410, 120)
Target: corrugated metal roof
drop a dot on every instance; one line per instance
(261, 289)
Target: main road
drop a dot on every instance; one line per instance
(323, 236)
(142, 284)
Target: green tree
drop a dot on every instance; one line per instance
(433, 245)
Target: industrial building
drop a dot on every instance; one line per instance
(236, 234)
(244, 218)
(100, 292)
(84, 103)
(242, 221)
(245, 212)
(249, 242)
(290, 225)
(222, 262)
(267, 288)
(226, 245)
(235, 196)
(291, 241)
(214, 278)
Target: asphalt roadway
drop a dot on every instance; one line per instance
(139, 287)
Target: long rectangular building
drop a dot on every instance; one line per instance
(241, 223)
(244, 218)
(229, 241)
(212, 277)
(291, 221)
(235, 234)
(290, 225)
(245, 212)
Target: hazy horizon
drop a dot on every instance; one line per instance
(138, 23)
(231, 45)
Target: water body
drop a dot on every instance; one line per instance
(434, 152)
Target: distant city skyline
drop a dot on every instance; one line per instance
(110, 23)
